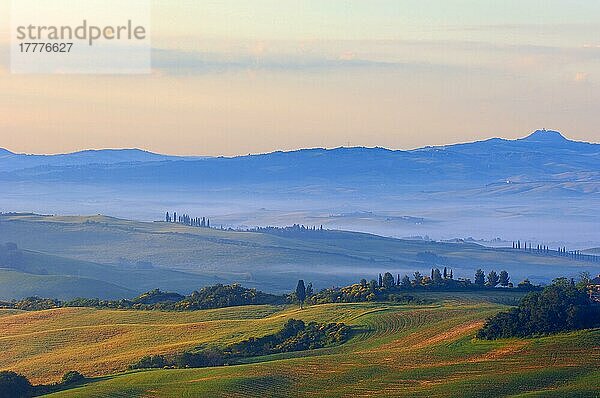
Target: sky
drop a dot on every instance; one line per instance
(231, 77)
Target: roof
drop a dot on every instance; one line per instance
(595, 281)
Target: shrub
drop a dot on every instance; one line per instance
(150, 362)
(72, 377)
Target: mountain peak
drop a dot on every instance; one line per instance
(545, 136)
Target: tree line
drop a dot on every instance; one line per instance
(386, 287)
(185, 219)
(209, 297)
(560, 251)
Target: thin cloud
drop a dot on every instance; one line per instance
(188, 62)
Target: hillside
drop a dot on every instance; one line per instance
(15, 285)
(271, 262)
(410, 351)
(44, 275)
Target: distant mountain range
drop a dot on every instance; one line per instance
(543, 157)
(10, 161)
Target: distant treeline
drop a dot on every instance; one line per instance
(560, 307)
(389, 288)
(560, 251)
(385, 288)
(294, 336)
(217, 296)
(185, 219)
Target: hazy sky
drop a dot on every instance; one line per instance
(236, 77)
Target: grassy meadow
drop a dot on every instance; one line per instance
(397, 350)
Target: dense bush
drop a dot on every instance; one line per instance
(558, 308)
(157, 296)
(13, 385)
(35, 304)
(220, 296)
(202, 359)
(150, 362)
(72, 377)
(295, 336)
(362, 293)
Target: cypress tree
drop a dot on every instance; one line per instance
(437, 276)
(301, 292)
(388, 281)
(504, 278)
(479, 277)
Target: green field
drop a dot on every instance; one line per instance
(396, 351)
(186, 258)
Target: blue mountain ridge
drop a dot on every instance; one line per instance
(544, 156)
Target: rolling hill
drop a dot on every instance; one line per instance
(403, 351)
(16, 285)
(183, 258)
(44, 275)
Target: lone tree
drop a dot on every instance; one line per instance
(301, 293)
(504, 278)
(492, 279)
(480, 277)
